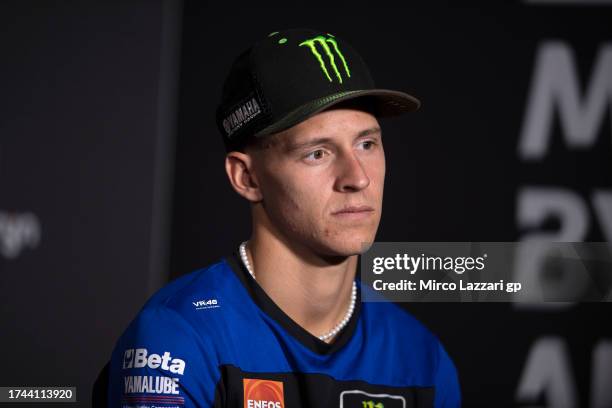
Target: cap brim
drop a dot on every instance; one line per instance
(384, 102)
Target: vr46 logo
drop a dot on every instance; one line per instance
(329, 52)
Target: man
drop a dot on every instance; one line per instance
(280, 323)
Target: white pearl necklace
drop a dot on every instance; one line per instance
(339, 326)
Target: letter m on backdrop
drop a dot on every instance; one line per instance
(556, 84)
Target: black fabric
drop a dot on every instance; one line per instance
(309, 390)
(99, 393)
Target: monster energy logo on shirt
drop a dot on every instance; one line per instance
(324, 42)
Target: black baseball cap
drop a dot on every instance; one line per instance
(290, 76)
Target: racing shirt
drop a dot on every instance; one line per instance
(213, 338)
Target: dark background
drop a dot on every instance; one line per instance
(107, 135)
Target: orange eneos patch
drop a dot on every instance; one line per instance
(263, 393)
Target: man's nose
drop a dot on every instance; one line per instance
(352, 175)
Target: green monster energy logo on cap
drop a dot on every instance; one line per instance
(329, 51)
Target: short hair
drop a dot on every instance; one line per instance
(253, 143)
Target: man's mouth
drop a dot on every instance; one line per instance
(352, 212)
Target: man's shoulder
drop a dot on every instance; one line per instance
(169, 340)
(188, 308)
(202, 299)
(202, 280)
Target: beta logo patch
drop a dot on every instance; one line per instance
(260, 393)
(140, 358)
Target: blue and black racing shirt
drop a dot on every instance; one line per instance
(213, 338)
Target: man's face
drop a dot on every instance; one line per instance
(322, 181)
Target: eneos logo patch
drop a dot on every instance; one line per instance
(263, 393)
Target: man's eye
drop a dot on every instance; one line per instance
(316, 155)
(368, 144)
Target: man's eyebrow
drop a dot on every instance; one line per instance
(369, 131)
(292, 146)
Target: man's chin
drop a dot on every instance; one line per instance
(348, 247)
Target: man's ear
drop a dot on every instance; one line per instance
(239, 169)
